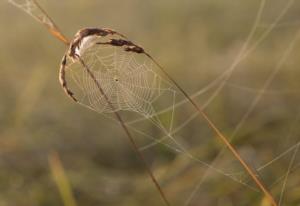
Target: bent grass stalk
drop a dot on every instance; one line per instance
(56, 33)
(54, 161)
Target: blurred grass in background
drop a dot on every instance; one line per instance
(196, 40)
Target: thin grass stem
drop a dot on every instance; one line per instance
(219, 134)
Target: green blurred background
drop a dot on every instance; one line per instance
(196, 41)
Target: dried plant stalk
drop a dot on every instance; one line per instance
(87, 34)
(77, 47)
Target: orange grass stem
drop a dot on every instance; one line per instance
(54, 30)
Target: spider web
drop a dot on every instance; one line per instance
(133, 84)
(128, 80)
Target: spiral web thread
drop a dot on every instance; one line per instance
(130, 82)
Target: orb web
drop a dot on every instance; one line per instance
(128, 79)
